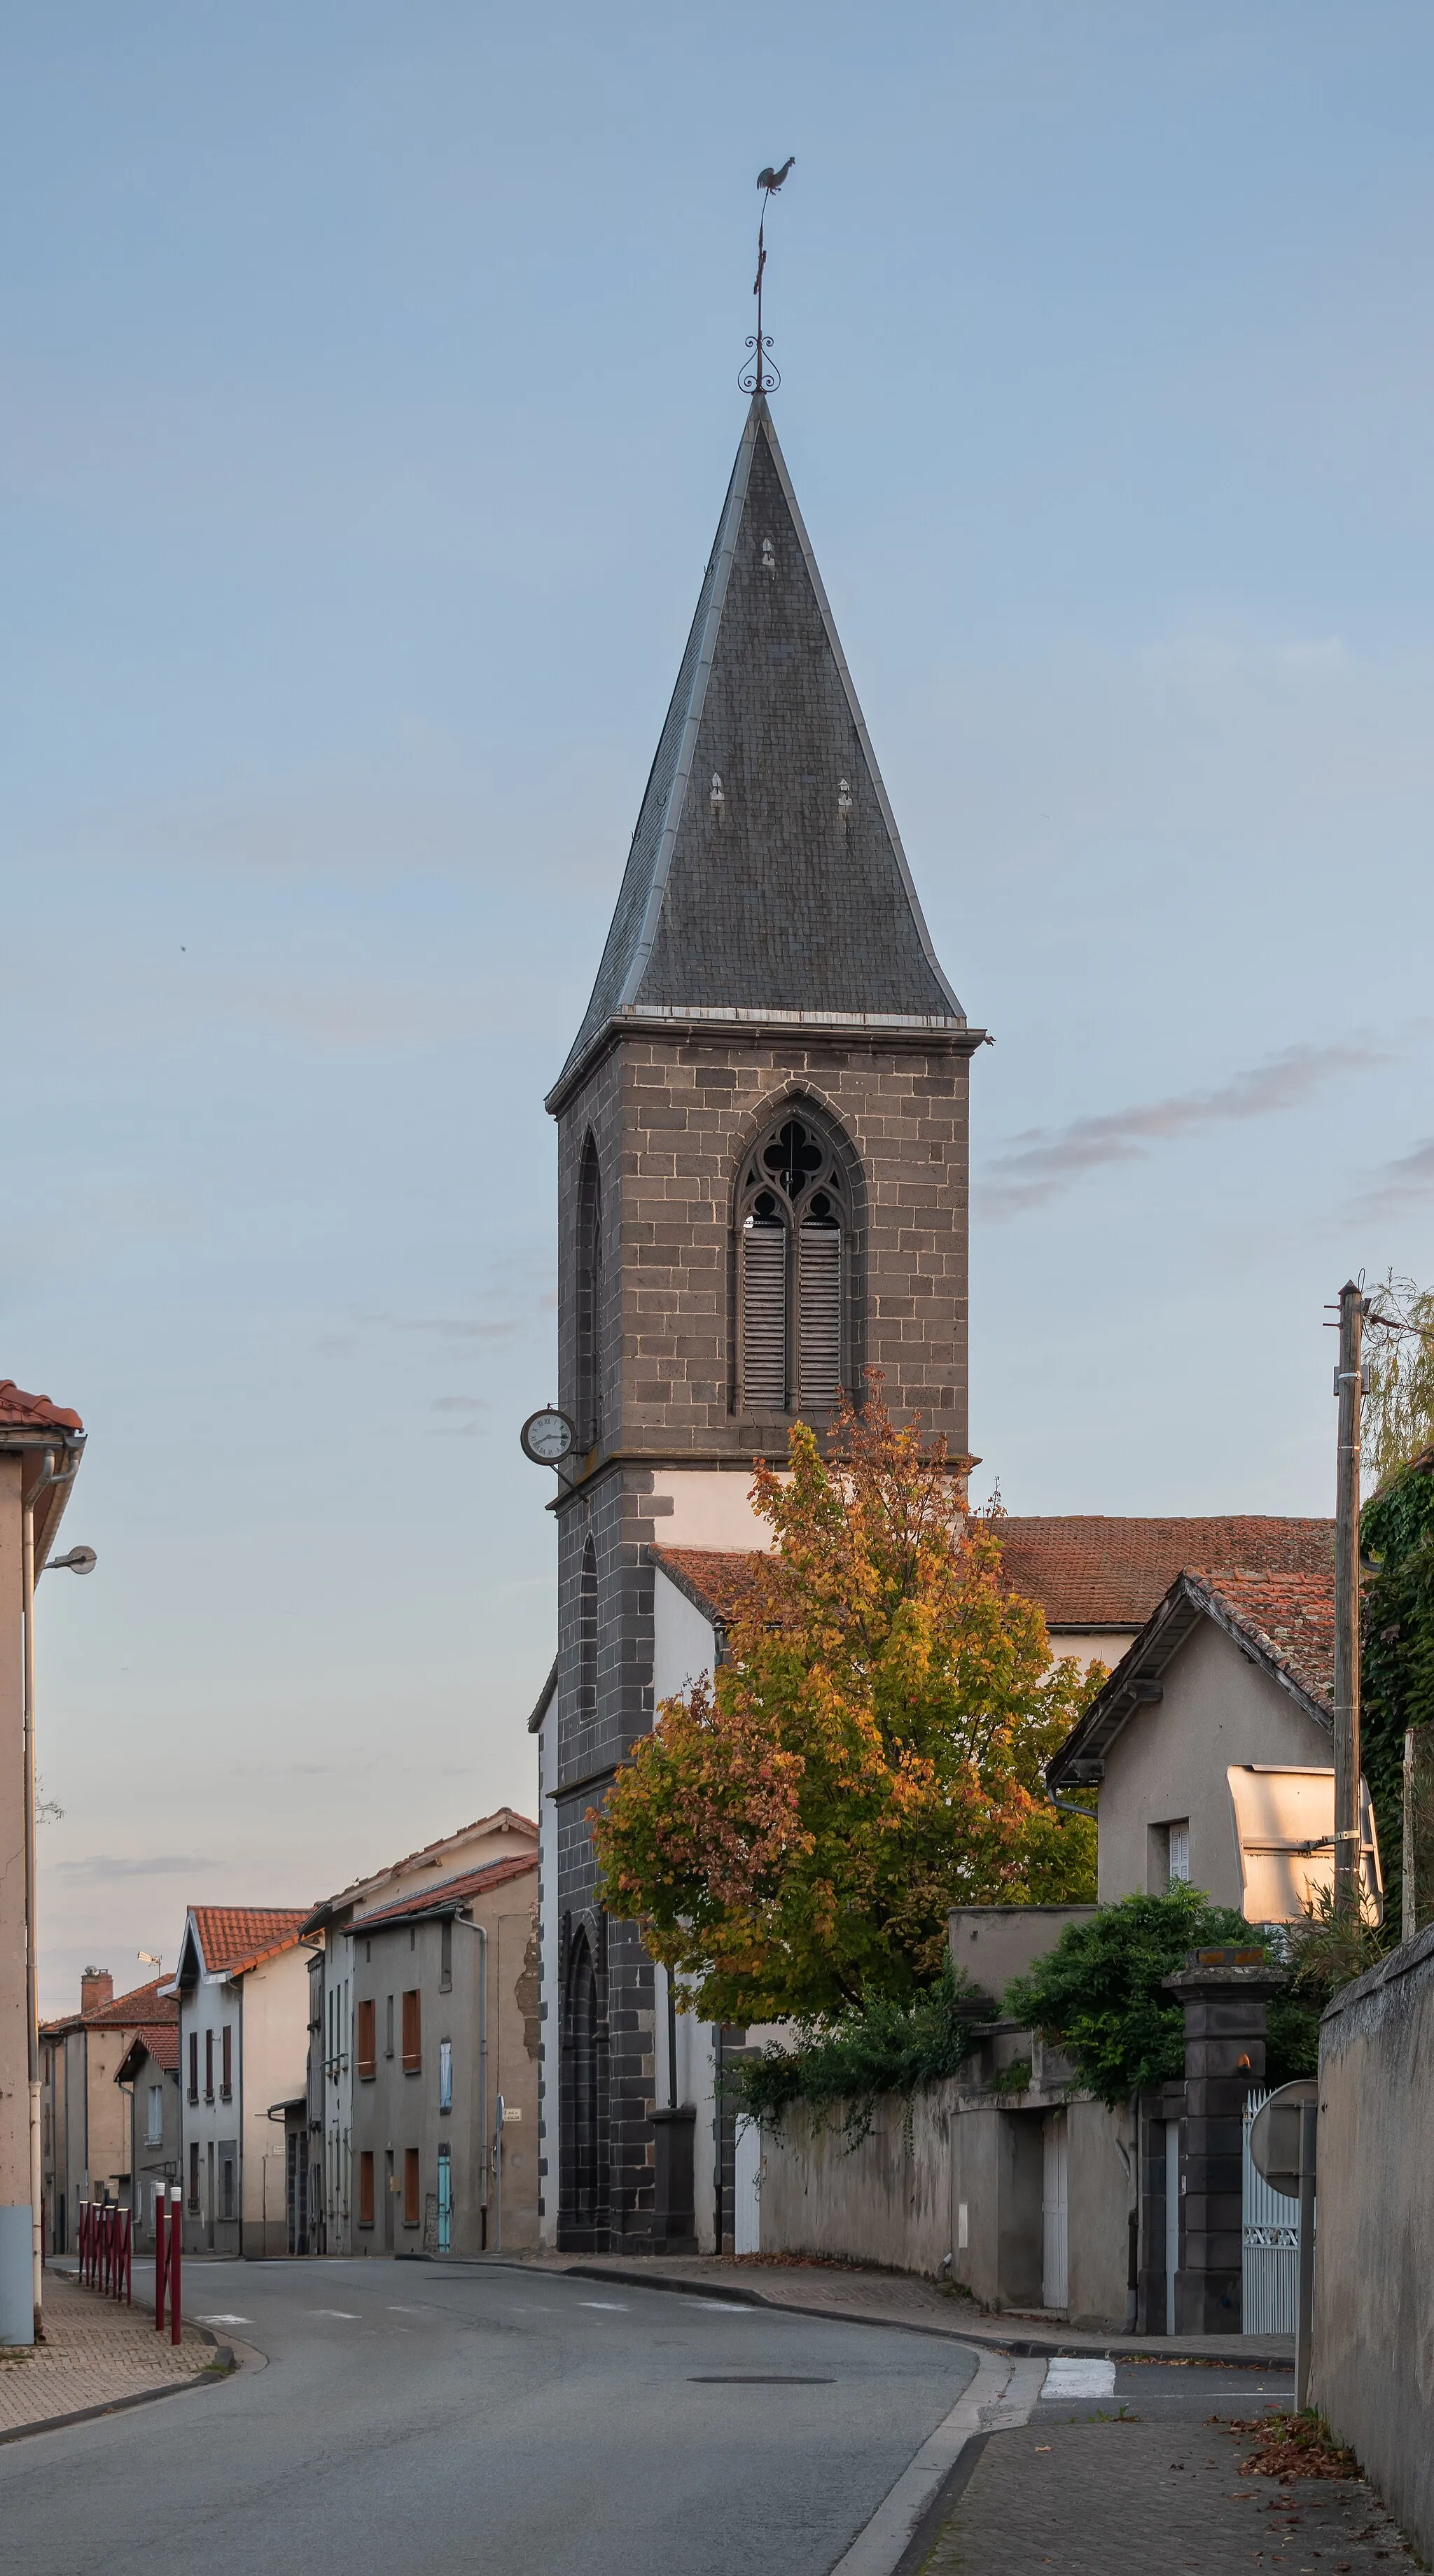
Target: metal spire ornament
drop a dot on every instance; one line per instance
(759, 376)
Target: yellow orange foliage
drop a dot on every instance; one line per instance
(793, 1835)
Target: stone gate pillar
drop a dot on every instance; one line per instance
(1225, 1993)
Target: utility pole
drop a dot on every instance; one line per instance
(1348, 1386)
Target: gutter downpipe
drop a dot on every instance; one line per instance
(43, 1483)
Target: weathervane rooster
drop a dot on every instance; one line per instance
(758, 377)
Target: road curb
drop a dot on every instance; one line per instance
(978, 2337)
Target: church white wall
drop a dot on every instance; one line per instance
(682, 1640)
(1091, 1645)
(709, 1509)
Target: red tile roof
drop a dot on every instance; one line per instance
(142, 2005)
(1092, 1572)
(34, 1412)
(721, 1579)
(1288, 1617)
(160, 2043)
(449, 1891)
(1085, 1571)
(236, 1937)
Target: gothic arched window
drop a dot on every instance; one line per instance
(587, 1285)
(588, 1632)
(793, 1223)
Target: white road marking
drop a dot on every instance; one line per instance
(394, 2310)
(1074, 2376)
(224, 2321)
(349, 2315)
(1001, 2394)
(615, 2307)
(726, 2308)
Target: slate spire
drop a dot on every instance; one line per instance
(766, 878)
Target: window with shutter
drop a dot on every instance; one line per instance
(365, 2210)
(764, 1311)
(209, 2066)
(412, 2033)
(154, 2134)
(412, 2190)
(194, 2066)
(792, 1214)
(588, 1287)
(366, 2038)
(226, 2064)
(819, 1310)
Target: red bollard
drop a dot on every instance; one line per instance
(161, 2204)
(174, 2230)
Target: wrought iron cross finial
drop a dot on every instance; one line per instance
(760, 376)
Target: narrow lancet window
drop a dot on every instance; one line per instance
(587, 1299)
(792, 1228)
(588, 1633)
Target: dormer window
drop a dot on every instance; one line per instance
(792, 1224)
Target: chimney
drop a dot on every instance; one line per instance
(97, 1988)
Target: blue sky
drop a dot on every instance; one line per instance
(371, 391)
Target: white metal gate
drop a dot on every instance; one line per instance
(1270, 2249)
(1055, 2289)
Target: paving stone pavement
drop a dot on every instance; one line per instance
(1110, 2498)
(94, 2355)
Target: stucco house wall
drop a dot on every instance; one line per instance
(1373, 2354)
(274, 2033)
(1169, 1763)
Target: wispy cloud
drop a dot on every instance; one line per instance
(1410, 1176)
(460, 1404)
(453, 1328)
(1042, 1161)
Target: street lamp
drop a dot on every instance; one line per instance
(80, 1560)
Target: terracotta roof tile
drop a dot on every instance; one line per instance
(160, 2043)
(1086, 1571)
(1093, 1572)
(142, 2005)
(236, 1937)
(1289, 1616)
(449, 1891)
(34, 1412)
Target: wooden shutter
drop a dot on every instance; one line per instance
(226, 2062)
(411, 2211)
(194, 2066)
(366, 2179)
(764, 1313)
(366, 2049)
(412, 2033)
(209, 2066)
(819, 1312)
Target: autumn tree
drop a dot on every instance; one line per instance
(793, 1835)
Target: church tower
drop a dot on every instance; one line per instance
(762, 1194)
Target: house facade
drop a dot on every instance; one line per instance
(445, 2065)
(86, 2138)
(242, 1986)
(333, 2224)
(148, 2081)
(41, 1445)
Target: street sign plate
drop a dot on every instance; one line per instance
(1275, 2135)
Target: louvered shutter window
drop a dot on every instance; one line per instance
(367, 2048)
(819, 1312)
(764, 1312)
(412, 2033)
(365, 2213)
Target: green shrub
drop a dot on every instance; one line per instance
(856, 2057)
(1098, 1993)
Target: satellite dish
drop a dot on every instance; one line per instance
(81, 1560)
(1275, 2135)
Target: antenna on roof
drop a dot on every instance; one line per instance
(759, 376)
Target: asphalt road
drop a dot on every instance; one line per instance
(413, 2419)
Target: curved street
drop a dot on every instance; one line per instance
(416, 2418)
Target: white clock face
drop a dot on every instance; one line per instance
(548, 1436)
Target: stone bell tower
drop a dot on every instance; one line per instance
(762, 1194)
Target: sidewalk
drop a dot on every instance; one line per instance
(95, 2357)
(853, 2293)
(1087, 2492)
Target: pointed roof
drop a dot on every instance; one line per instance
(788, 896)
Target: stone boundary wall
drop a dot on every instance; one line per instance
(876, 2203)
(1373, 2354)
